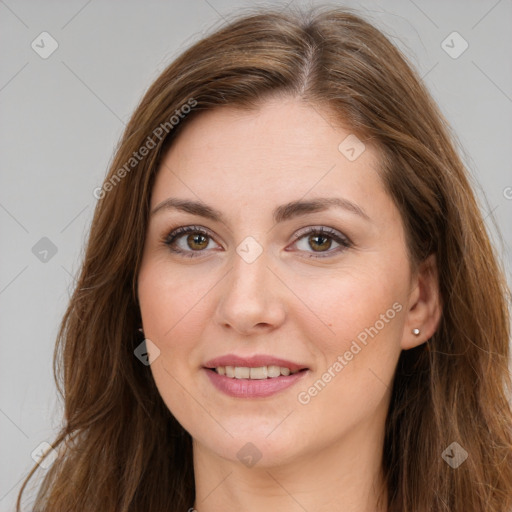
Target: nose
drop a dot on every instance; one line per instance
(251, 298)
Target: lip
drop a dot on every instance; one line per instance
(252, 388)
(253, 362)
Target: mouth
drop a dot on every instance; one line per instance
(253, 377)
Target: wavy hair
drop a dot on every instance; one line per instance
(120, 449)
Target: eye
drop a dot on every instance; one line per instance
(320, 239)
(196, 241)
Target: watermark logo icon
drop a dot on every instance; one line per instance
(147, 352)
(454, 455)
(454, 45)
(44, 45)
(351, 147)
(249, 249)
(38, 455)
(249, 455)
(44, 250)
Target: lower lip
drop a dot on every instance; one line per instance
(253, 388)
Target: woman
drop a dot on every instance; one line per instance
(289, 228)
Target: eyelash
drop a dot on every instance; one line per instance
(342, 240)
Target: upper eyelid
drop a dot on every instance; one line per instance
(320, 229)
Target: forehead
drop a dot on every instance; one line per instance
(279, 130)
(285, 150)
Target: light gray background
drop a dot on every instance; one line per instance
(62, 116)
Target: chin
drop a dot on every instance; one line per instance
(252, 444)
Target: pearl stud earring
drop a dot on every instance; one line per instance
(416, 331)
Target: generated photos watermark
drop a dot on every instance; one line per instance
(160, 132)
(305, 396)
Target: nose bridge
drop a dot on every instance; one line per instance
(249, 296)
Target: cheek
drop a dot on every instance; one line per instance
(173, 312)
(353, 304)
(358, 336)
(351, 385)
(170, 303)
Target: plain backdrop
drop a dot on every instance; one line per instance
(62, 115)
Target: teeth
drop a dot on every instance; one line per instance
(260, 373)
(242, 372)
(273, 371)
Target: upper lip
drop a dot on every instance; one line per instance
(255, 361)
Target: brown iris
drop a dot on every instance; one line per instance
(324, 247)
(201, 241)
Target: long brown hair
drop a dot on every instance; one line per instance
(120, 448)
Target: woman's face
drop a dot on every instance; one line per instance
(255, 284)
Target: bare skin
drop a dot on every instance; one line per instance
(304, 299)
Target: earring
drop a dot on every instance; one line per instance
(416, 331)
(140, 330)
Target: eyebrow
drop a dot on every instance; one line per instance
(280, 214)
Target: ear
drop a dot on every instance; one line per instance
(424, 307)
